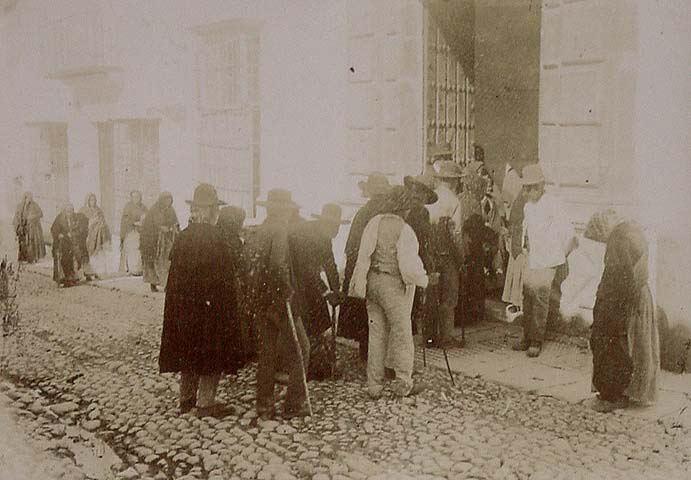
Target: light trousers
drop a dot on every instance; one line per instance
(198, 388)
(389, 306)
(541, 299)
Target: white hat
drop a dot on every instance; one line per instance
(532, 174)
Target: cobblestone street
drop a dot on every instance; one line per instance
(81, 375)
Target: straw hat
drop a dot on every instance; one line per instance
(448, 169)
(532, 174)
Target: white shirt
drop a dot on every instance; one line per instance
(409, 262)
(548, 230)
(447, 205)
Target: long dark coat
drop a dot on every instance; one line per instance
(200, 328)
(311, 253)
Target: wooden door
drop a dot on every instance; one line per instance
(228, 103)
(384, 117)
(449, 96)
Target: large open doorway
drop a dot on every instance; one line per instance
(128, 160)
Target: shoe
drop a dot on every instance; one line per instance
(217, 410)
(154, 288)
(289, 413)
(417, 388)
(512, 313)
(535, 349)
(521, 346)
(389, 374)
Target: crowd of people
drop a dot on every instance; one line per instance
(420, 258)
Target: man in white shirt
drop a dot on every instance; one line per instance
(549, 238)
(445, 242)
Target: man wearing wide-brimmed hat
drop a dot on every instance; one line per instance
(353, 317)
(446, 246)
(548, 238)
(312, 254)
(270, 286)
(387, 271)
(200, 339)
(421, 188)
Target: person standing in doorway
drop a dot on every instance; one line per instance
(130, 254)
(548, 237)
(201, 334)
(27, 227)
(159, 229)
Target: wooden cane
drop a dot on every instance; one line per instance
(334, 326)
(448, 367)
(300, 357)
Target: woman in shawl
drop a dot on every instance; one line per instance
(130, 255)
(67, 257)
(97, 238)
(624, 338)
(27, 226)
(159, 228)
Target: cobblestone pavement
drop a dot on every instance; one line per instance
(82, 370)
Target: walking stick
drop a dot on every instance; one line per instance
(448, 367)
(334, 326)
(300, 357)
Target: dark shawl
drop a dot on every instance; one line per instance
(67, 233)
(624, 337)
(200, 328)
(98, 233)
(158, 216)
(27, 226)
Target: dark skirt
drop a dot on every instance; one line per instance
(612, 365)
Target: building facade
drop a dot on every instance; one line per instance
(108, 96)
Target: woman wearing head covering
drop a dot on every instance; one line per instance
(624, 338)
(130, 254)
(159, 228)
(66, 233)
(27, 226)
(97, 239)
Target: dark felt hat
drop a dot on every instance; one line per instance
(205, 196)
(331, 213)
(422, 184)
(278, 198)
